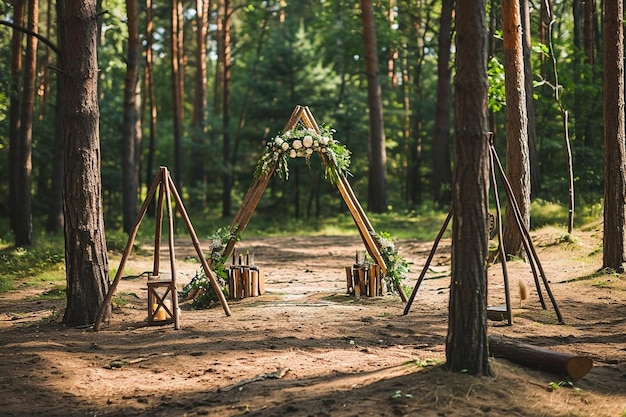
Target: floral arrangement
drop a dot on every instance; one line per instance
(303, 142)
(200, 285)
(397, 266)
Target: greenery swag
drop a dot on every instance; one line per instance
(200, 283)
(303, 142)
(397, 266)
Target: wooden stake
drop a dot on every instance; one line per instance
(129, 246)
(261, 282)
(196, 243)
(254, 282)
(349, 280)
(247, 288)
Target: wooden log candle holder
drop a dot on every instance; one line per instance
(244, 279)
(364, 280)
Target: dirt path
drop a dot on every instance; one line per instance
(307, 349)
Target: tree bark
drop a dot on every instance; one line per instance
(614, 240)
(588, 30)
(545, 13)
(466, 342)
(55, 220)
(377, 187)
(14, 112)
(86, 259)
(517, 158)
(442, 171)
(177, 94)
(24, 216)
(199, 130)
(149, 81)
(533, 157)
(44, 67)
(227, 176)
(131, 127)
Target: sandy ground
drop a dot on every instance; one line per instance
(305, 348)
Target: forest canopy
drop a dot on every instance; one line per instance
(279, 54)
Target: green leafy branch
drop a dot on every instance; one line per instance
(397, 266)
(200, 284)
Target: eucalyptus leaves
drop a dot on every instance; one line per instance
(302, 142)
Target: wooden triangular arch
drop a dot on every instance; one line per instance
(167, 189)
(302, 115)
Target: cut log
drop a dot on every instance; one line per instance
(575, 367)
(261, 282)
(254, 282)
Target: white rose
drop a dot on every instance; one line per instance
(285, 146)
(325, 140)
(307, 141)
(309, 151)
(316, 144)
(297, 144)
(288, 134)
(292, 153)
(278, 141)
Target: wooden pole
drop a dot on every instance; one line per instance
(127, 250)
(196, 243)
(428, 261)
(525, 233)
(170, 221)
(501, 251)
(158, 226)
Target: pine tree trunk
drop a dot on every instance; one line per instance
(227, 178)
(86, 259)
(131, 127)
(14, 112)
(177, 95)
(466, 343)
(377, 189)
(149, 87)
(442, 171)
(614, 241)
(517, 158)
(199, 130)
(55, 220)
(533, 157)
(24, 216)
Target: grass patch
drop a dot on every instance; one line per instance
(545, 213)
(122, 299)
(43, 261)
(600, 275)
(58, 292)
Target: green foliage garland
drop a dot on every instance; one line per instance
(303, 142)
(397, 266)
(219, 239)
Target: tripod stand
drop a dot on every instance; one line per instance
(535, 264)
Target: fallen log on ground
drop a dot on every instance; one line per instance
(575, 367)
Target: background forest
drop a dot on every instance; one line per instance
(207, 101)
